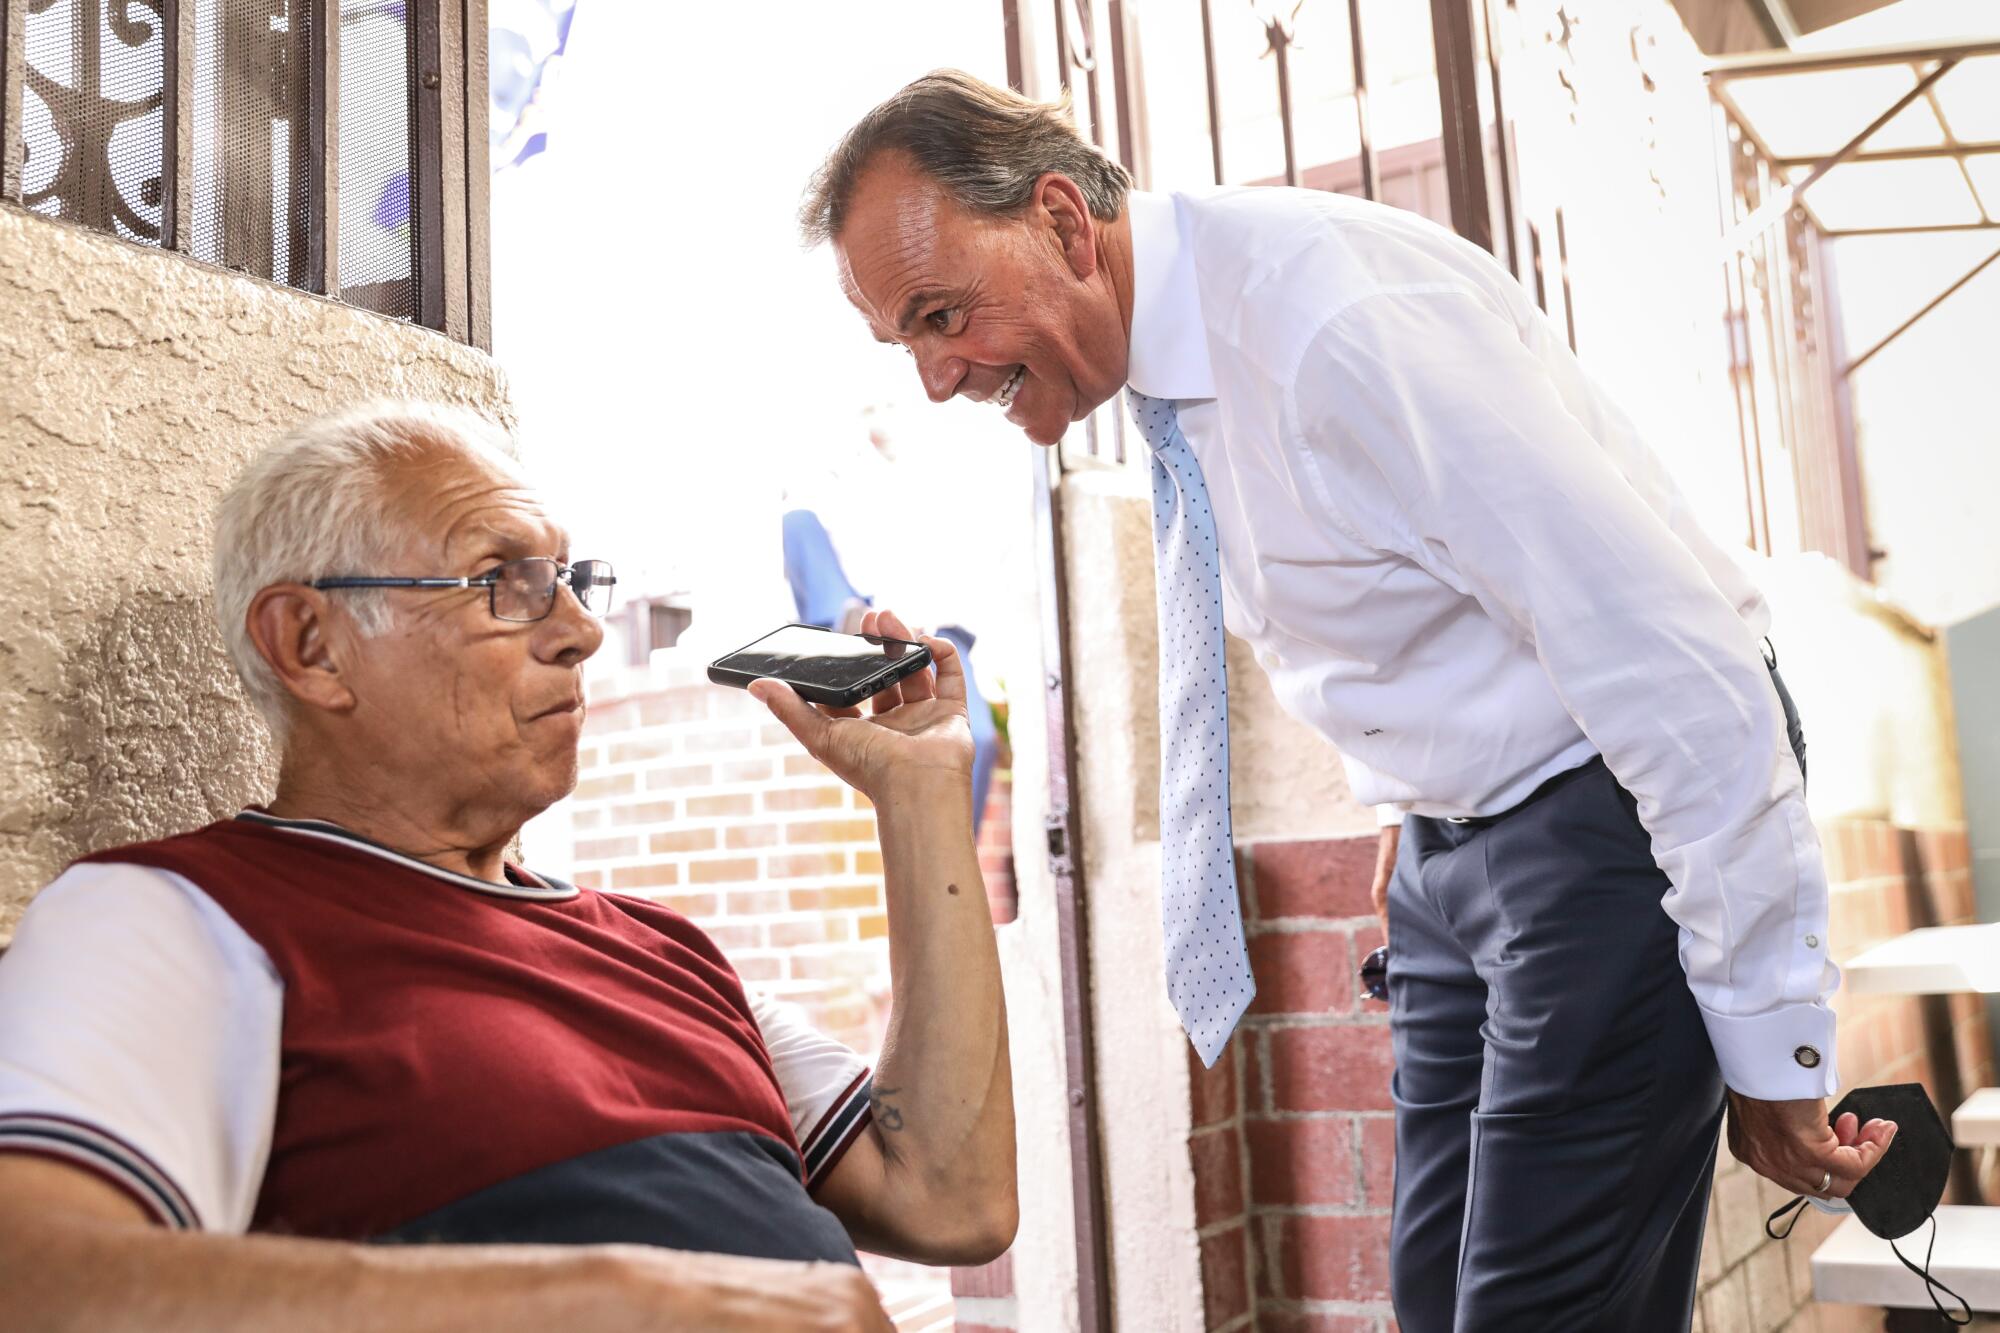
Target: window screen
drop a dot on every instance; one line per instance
(254, 82)
(377, 236)
(91, 112)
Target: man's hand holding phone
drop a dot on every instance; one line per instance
(915, 731)
(933, 1176)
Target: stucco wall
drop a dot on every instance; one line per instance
(133, 385)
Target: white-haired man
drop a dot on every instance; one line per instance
(1457, 558)
(344, 1016)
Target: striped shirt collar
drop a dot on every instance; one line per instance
(521, 883)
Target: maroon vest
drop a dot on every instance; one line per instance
(438, 1040)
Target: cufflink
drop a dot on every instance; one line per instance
(1807, 1056)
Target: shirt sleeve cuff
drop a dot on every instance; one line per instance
(1784, 1055)
(105, 1156)
(837, 1130)
(1388, 816)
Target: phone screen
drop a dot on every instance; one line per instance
(806, 656)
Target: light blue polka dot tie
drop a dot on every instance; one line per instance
(1208, 970)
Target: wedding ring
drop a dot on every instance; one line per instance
(1825, 1181)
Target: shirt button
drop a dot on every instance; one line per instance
(1812, 941)
(1807, 1056)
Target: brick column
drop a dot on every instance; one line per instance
(1293, 1144)
(1221, 1200)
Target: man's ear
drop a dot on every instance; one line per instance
(1068, 214)
(288, 623)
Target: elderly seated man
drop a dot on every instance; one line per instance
(229, 1056)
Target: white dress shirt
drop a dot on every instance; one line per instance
(1458, 560)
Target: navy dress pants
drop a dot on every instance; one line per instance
(1557, 1099)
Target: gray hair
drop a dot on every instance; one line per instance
(985, 146)
(313, 505)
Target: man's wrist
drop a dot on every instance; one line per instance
(926, 795)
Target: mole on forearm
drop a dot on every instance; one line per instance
(951, 888)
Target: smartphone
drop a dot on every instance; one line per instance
(838, 670)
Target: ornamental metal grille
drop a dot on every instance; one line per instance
(93, 83)
(336, 146)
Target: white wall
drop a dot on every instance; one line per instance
(1927, 416)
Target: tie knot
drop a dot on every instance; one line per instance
(1154, 417)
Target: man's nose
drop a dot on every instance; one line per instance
(941, 375)
(570, 634)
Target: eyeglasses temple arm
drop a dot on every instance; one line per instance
(399, 583)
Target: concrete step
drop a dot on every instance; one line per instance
(1855, 1267)
(1977, 1123)
(1936, 960)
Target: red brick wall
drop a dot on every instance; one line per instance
(996, 847)
(691, 795)
(1293, 1143)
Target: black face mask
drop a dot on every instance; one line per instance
(1904, 1189)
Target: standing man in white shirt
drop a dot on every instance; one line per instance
(1457, 559)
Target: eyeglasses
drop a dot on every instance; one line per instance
(520, 590)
